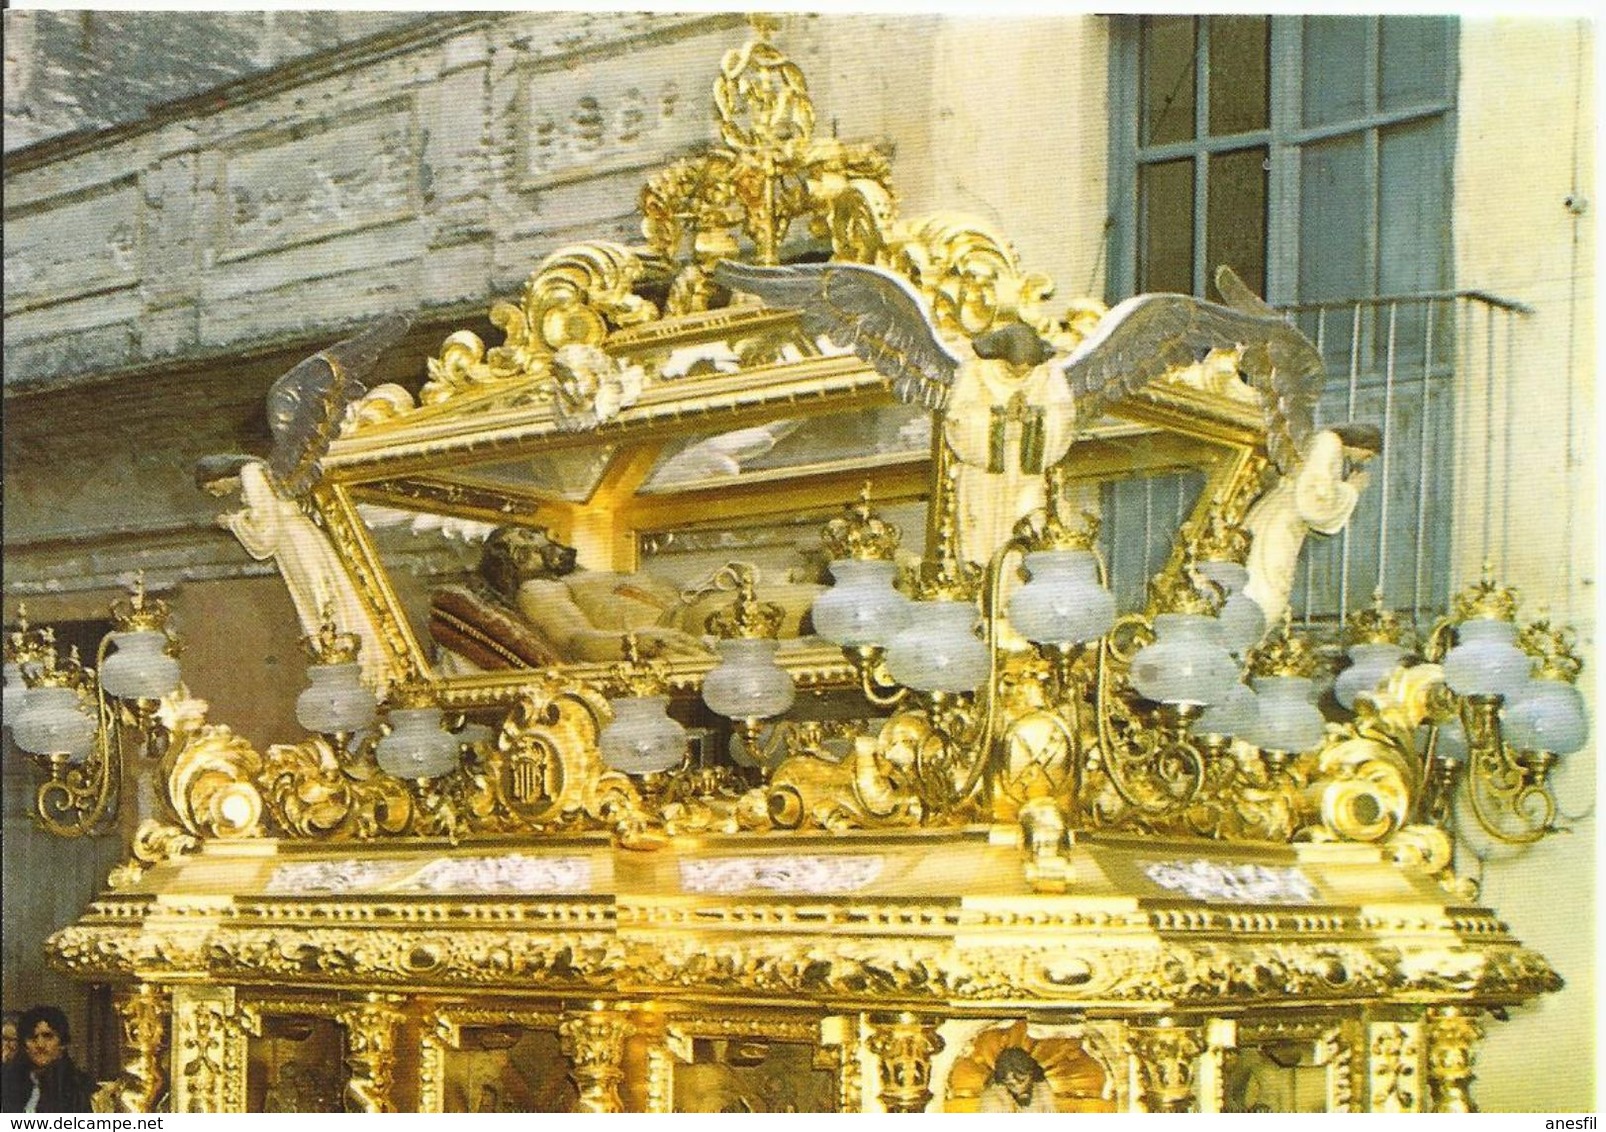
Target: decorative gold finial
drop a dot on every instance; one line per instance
(747, 616)
(641, 672)
(137, 613)
(1220, 541)
(26, 646)
(1286, 653)
(412, 694)
(860, 533)
(1052, 531)
(769, 173)
(1553, 648)
(329, 645)
(53, 672)
(1486, 600)
(1186, 591)
(1376, 624)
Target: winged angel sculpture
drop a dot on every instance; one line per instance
(306, 407)
(1009, 401)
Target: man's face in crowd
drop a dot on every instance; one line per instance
(44, 1045)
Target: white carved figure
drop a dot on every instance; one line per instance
(307, 407)
(272, 527)
(1320, 495)
(1233, 884)
(456, 528)
(805, 873)
(513, 873)
(1006, 423)
(717, 357)
(1011, 400)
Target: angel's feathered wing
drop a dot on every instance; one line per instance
(306, 404)
(1237, 295)
(1150, 335)
(868, 310)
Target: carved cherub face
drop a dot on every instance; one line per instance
(591, 387)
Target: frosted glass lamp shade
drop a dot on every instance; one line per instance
(1486, 661)
(1235, 717)
(53, 722)
(939, 651)
(15, 691)
(747, 683)
(1451, 744)
(1371, 663)
(1289, 721)
(1547, 715)
(1229, 575)
(641, 738)
(1186, 663)
(335, 701)
(1243, 623)
(416, 747)
(139, 668)
(862, 608)
(1062, 603)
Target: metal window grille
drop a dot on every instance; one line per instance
(1418, 366)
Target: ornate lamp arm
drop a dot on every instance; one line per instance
(1167, 757)
(1499, 774)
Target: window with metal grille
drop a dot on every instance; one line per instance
(1314, 155)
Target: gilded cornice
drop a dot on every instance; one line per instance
(1090, 971)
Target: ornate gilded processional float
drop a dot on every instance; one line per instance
(654, 819)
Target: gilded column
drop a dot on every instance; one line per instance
(1393, 1052)
(438, 1033)
(840, 1034)
(370, 1027)
(1166, 1055)
(594, 1043)
(659, 1088)
(1452, 1032)
(904, 1045)
(208, 1072)
(1337, 1049)
(1221, 1035)
(143, 1013)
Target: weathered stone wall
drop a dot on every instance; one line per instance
(70, 71)
(431, 168)
(431, 171)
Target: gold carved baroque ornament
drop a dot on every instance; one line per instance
(518, 871)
